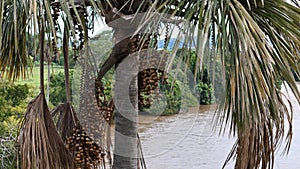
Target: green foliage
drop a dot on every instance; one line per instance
(175, 97)
(188, 56)
(108, 81)
(209, 85)
(60, 60)
(57, 88)
(102, 43)
(17, 93)
(206, 93)
(12, 100)
(168, 103)
(3, 108)
(188, 97)
(279, 84)
(205, 89)
(33, 81)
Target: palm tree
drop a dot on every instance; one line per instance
(257, 41)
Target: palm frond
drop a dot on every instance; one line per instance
(40, 145)
(66, 120)
(1, 20)
(13, 49)
(259, 56)
(258, 43)
(19, 25)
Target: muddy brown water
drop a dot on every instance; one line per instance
(187, 141)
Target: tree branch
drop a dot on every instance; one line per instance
(119, 52)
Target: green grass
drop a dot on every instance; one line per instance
(33, 79)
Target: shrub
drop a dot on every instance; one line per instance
(57, 88)
(206, 93)
(17, 93)
(13, 102)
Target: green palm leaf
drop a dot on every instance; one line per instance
(258, 42)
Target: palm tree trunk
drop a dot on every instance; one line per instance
(125, 150)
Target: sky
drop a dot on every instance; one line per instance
(99, 27)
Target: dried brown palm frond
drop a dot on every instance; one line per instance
(66, 120)
(40, 146)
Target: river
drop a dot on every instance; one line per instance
(187, 141)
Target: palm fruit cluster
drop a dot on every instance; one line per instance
(151, 74)
(152, 66)
(136, 44)
(55, 14)
(79, 30)
(105, 107)
(87, 154)
(148, 84)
